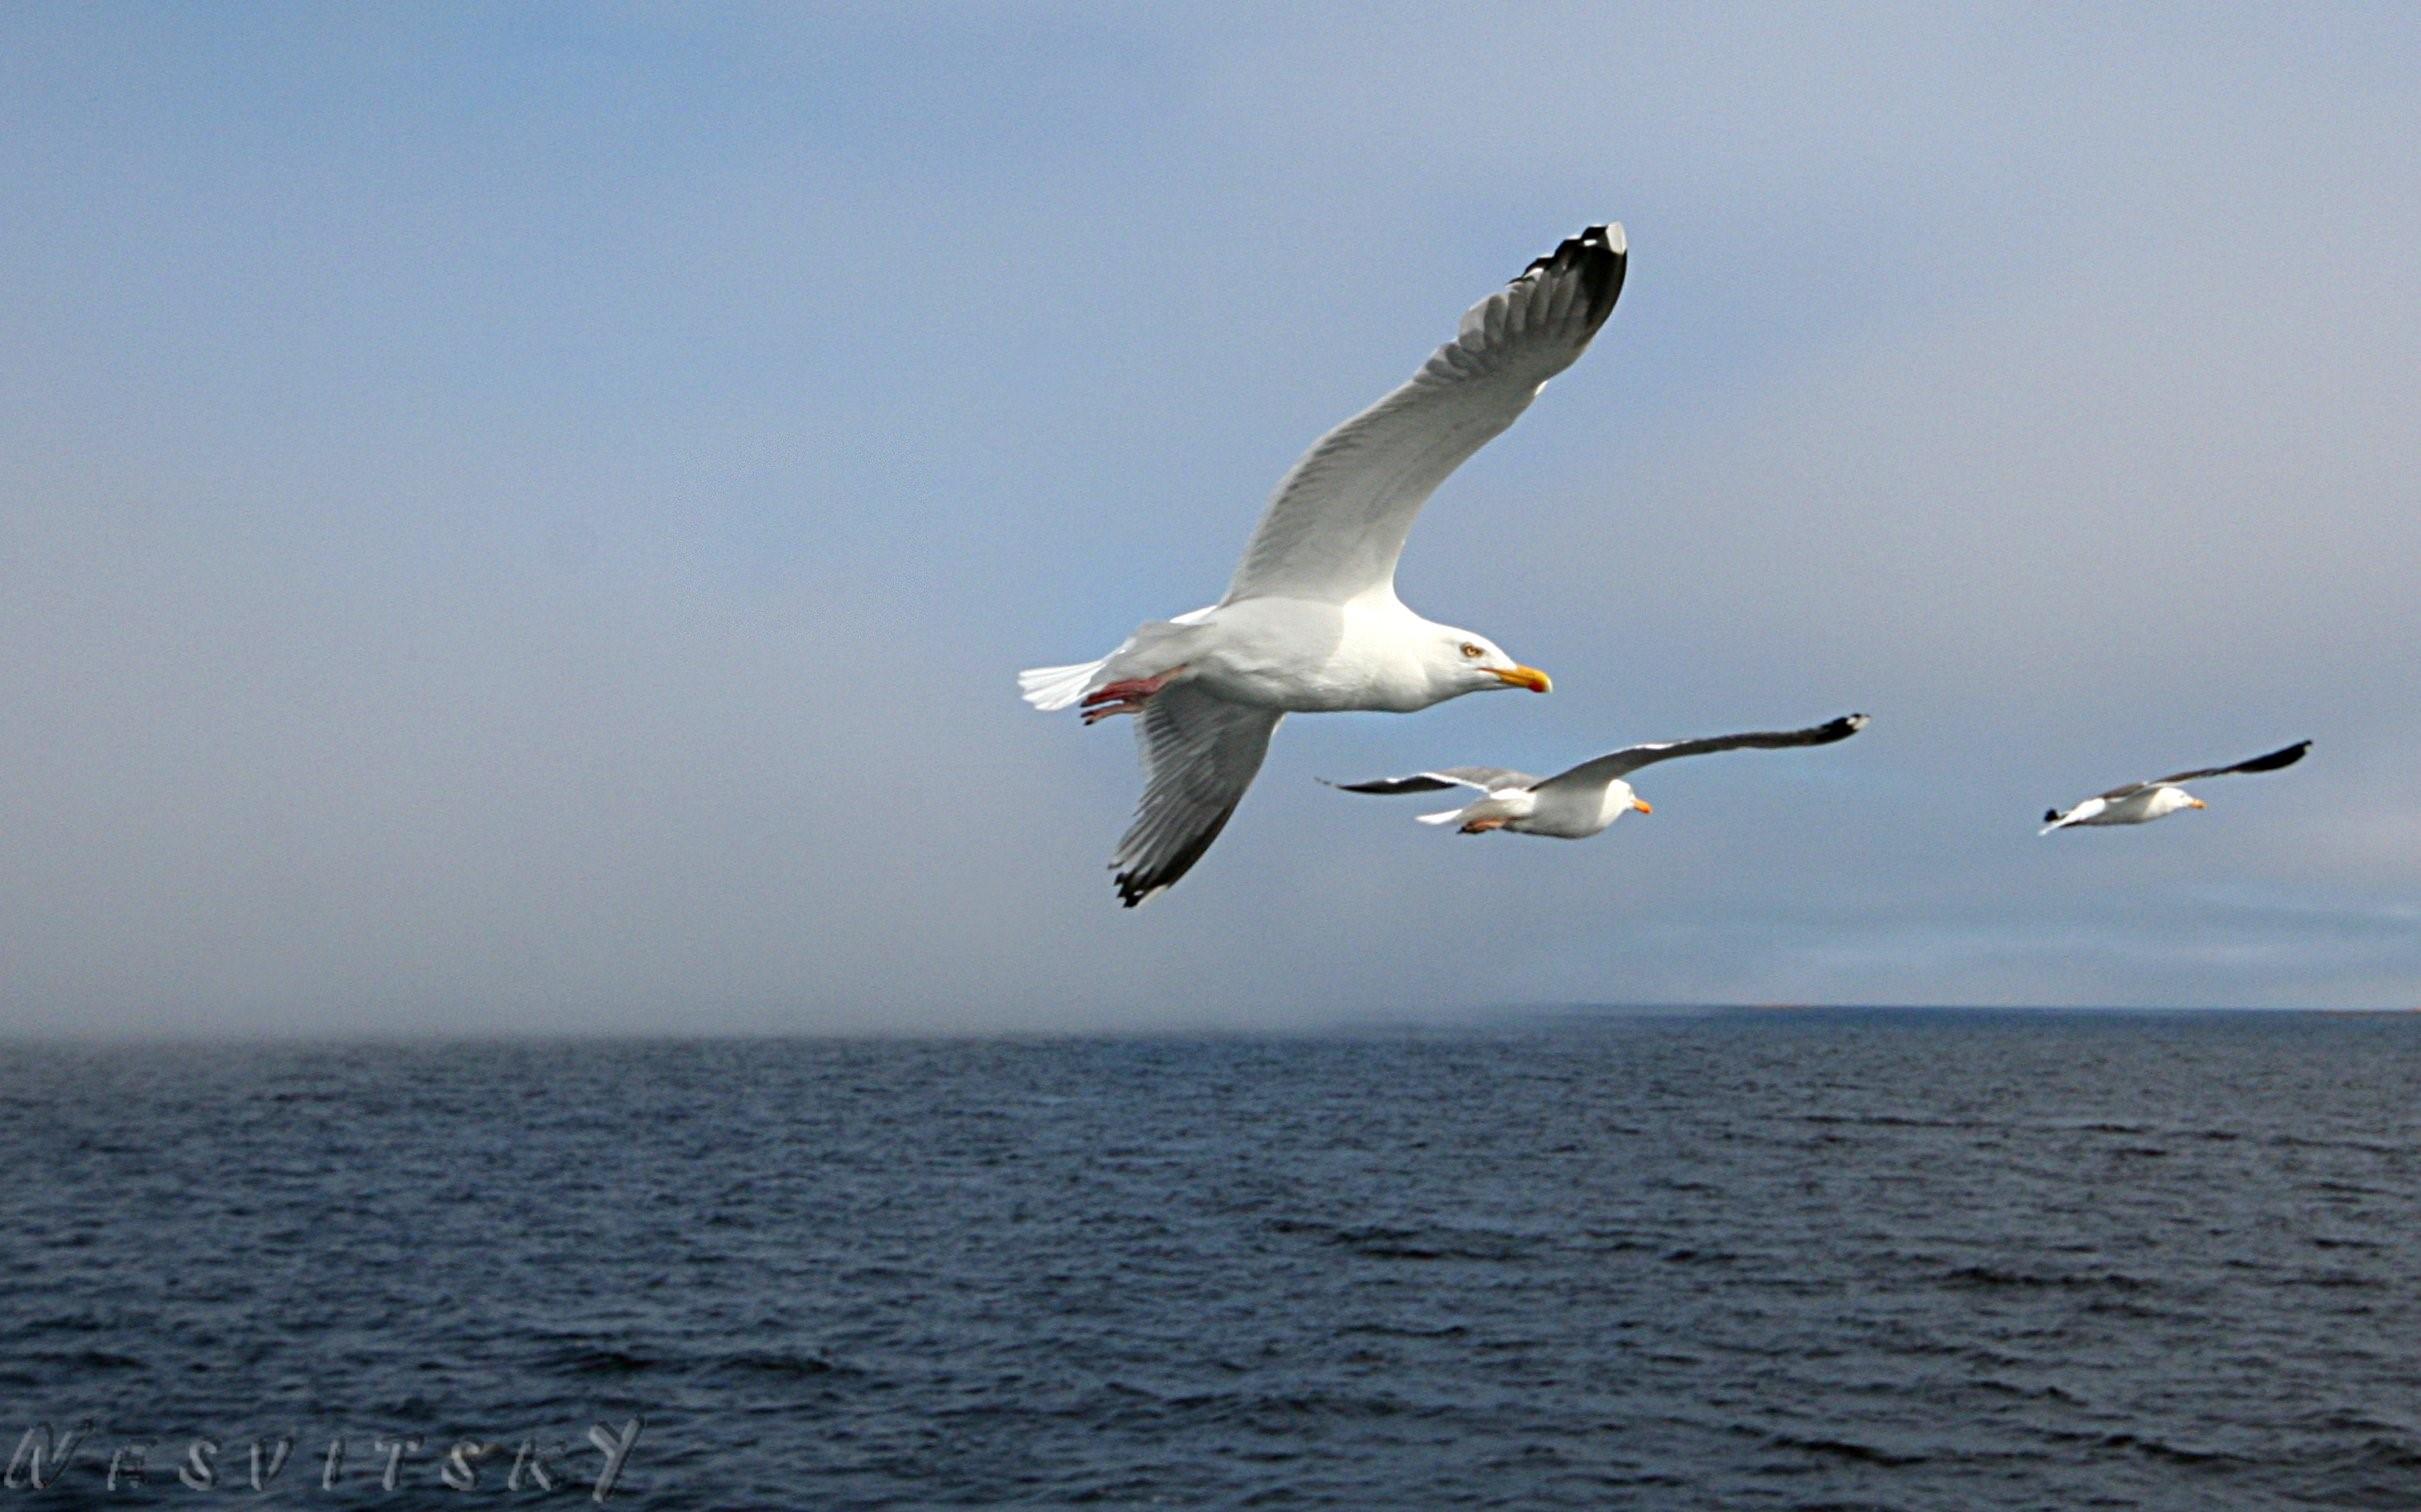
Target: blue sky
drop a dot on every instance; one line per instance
(526, 517)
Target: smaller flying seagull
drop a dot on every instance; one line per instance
(1579, 803)
(2143, 802)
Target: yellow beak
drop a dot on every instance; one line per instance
(1641, 804)
(1526, 677)
(2196, 803)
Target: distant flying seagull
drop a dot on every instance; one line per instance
(2143, 802)
(1311, 622)
(1579, 803)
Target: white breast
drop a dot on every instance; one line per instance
(1308, 657)
(2137, 808)
(1576, 816)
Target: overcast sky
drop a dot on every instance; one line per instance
(526, 517)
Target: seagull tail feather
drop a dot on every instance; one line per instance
(1448, 817)
(1052, 688)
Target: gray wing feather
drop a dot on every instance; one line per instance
(1339, 518)
(1200, 753)
(1486, 779)
(1604, 769)
(2284, 756)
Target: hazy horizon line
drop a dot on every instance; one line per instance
(1476, 1018)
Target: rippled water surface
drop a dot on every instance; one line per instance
(1736, 1260)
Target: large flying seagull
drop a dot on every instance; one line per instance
(1311, 622)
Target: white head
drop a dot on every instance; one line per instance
(2170, 800)
(1459, 662)
(1620, 800)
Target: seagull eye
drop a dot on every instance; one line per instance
(1470, 651)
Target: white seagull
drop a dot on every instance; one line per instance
(1311, 622)
(2143, 802)
(1579, 803)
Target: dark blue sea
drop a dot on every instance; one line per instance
(1726, 1260)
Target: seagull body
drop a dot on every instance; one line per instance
(1311, 623)
(2143, 802)
(1575, 804)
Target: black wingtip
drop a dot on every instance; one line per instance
(1603, 256)
(2285, 757)
(1134, 890)
(1141, 885)
(2051, 816)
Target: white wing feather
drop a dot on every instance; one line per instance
(1338, 521)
